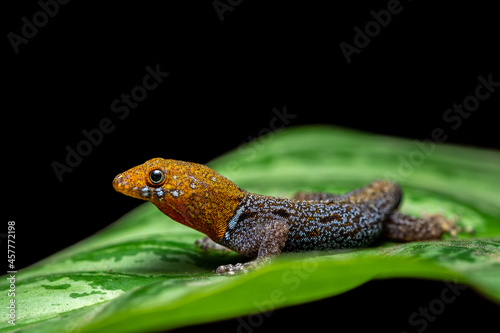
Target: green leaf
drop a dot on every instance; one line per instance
(143, 272)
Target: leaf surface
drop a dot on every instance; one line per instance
(142, 273)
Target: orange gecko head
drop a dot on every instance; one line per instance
(189, 193)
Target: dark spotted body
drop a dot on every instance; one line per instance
(334, 221)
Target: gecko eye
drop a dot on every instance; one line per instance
(156, 177)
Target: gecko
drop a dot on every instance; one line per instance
(261, 227)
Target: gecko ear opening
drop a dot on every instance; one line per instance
(156, 177)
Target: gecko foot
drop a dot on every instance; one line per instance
(231, 269)
(206, 244)
(448, 226)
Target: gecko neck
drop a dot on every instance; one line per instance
(206, 204)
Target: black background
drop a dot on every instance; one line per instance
(225, 78)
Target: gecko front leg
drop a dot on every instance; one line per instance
(270, 239)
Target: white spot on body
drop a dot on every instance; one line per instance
(232, 222)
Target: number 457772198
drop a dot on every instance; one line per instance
(11, 248)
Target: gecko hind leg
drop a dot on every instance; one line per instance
(404, 228)
(273, 241)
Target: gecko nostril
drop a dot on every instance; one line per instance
(116, 182)
(119, 181)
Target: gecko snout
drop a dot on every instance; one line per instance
(124, 184)
(119, 182)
